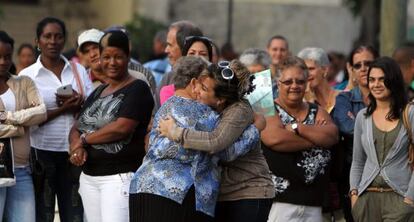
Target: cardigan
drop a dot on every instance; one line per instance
(30, 111)
(395, 168)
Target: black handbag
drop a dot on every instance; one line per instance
(7, 177)
(38, 172)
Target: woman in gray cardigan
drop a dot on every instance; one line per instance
(381, 179)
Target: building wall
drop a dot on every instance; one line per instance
(20, 20)
(304, 23)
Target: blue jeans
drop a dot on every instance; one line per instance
(61, 181)
(17, 202)
(246, 210)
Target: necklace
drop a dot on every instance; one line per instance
(109, 90)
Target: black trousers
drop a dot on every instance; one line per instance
(153, 208)
(247, 210)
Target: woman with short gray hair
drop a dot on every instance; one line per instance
(318, 91)
(255, 60)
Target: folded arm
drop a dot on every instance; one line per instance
(321, 135)
(276, 137)
(114, 131)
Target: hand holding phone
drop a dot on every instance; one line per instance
(65, 90)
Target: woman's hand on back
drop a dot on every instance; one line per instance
(168, 128)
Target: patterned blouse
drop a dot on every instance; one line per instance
(299, 177)
(169, 170)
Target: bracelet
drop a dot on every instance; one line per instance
(83, 139)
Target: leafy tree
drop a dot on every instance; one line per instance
(369, 12)
(142, 31)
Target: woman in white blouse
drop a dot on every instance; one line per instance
(50, 141)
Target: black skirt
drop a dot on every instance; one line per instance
(144, 207)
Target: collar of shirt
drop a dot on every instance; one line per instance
(39, 66)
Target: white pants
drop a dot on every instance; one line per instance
(105, 198)
(282, 212)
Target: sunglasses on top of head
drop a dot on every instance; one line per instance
(226, 72)
(195, 38)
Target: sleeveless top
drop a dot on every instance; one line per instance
(299, 177)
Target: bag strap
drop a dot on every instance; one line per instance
(77, 78)
(407, 125)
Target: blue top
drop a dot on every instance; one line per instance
(169, 170)
(158, 67)
(347, 106)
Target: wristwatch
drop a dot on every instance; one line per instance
(3, 116)
(295, 128)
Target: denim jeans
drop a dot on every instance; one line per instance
(17, 202)
(246, 210)
(60, 181)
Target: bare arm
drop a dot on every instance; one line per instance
(276, 137)
(114, 131)
(325, 135)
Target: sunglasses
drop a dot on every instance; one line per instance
(226, 72)
(289, 82)
(358, 65)
(197, 38)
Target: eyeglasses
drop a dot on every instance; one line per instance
(358, 65)
(289, 82)
(226, 72)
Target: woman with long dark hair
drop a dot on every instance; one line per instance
(381, 179)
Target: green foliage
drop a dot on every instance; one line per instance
(142, 31)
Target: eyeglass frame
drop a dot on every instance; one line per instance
(289, 82)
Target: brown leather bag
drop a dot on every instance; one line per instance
(408, 127)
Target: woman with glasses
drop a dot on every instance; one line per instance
(381, 179)
(246, 189)
(297, 142)
(193, 46)
(347, 106)
(180, 184)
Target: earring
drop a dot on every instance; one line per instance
(38, 48)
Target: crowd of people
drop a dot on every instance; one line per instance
(175, 139)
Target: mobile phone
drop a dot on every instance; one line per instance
(65, 90)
